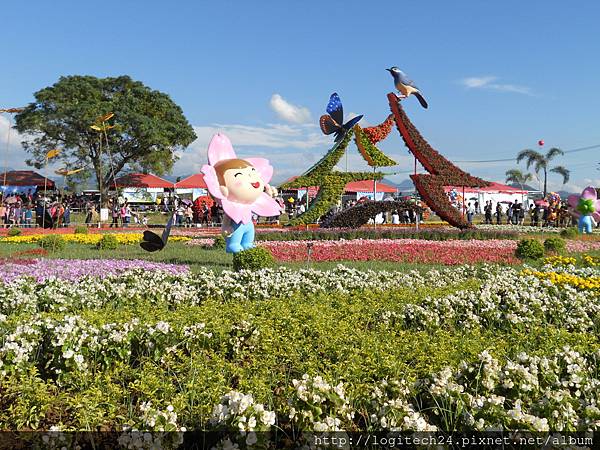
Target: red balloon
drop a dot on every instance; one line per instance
(540, 142)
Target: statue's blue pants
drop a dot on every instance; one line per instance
(585, 224)
(242, 237)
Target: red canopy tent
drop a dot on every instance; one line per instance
(142, 180)
(353, 187)
(195, 181)
(25, 178)
(493, 188)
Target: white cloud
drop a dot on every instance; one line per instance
(477, 82)
(574, 188)
(488, 82)
(284, 145)
(362, 122)
(289, 112)
(12, 155)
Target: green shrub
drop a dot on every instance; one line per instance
(80, 229)
(219, 243)
(529, 249)
(14, 232)
(52, 242)
(108, 242)
(555, 245)
(253, 259)
(569, 233)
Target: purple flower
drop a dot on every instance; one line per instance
(74, 269)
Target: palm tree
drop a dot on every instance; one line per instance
(517, 177)
(540, 163)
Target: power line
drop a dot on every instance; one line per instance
(581, 149)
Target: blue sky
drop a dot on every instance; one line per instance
(498, 76)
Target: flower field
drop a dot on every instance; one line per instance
(159, 348)
(122, 238)
(449, 252)
(76, 269)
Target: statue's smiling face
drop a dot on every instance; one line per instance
(243, 185)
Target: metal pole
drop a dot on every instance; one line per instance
(44, 200)
(463, 203)
(374, 196)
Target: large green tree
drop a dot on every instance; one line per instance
(540, 163)
(148, 127)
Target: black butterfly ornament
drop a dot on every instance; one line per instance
(152, 242)
(333, 121)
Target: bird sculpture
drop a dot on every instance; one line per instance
(405, 86)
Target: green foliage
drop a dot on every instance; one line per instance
(148, 126)
(52, 242)
(529, 249)
(540, 163)
(372, 155)
(518, 177)
(14, 231)
(255, 346)
(219, 243)
(81, 229)
(359, 215)
(108, 242)
(253, 259)
(569, 233)
(555, 245)
(331, 184)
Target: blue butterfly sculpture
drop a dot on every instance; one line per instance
(333, 121)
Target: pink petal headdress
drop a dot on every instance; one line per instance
(220, 149)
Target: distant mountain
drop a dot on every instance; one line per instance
(565, 194)
(404, 186)
(525, 186)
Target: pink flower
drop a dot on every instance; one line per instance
(220, 149)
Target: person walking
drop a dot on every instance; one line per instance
(115, 211)
(67, 216)
(126, 214)
(27, 217)
(470, 213)
(179, 215)
(205, 214)
(488, 212)
(521, 218)
(189, 216)
(498, 213)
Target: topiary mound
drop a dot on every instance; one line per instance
(529, 249)
(569, 233)
(253, 259)
(14, 232)
(359, 214)
(80, 229)
(219, 242)
(108, 242)
(52, 243)
(555, 245)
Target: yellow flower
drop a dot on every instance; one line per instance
(562, 279)
(90, 239)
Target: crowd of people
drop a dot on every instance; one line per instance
(515, 213)
(29, 209)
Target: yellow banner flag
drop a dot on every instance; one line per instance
(52, 153)
(67, 172)
(106, 117)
